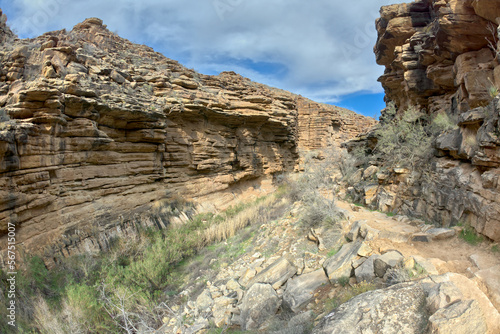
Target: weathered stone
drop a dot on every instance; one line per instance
(259, 305)
(421, 237)
(204, 300)
(462, 317)
(366, 271)
(442, 295)
(386, 261)
(425, 264)
(276, 274)
(470, 291)
(340, 265)
(441, 233)
(368, 233)
(353, 234)
(247, 275)
(233, 285)
(300, 290)
(199, 325)
(491, 279)
(398, 309)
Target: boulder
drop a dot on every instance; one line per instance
(340, 265)
(300, 290)
(470, 291)
(366, 271)
(388, 260)
(259, 305)
(462, 317)
(276, 274)
(491, 279)
(394, 310)
(204, 300)
(353, 234)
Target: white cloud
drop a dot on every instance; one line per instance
(326, 46)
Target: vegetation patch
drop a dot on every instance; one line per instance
(469, 235)
(121, 290)
(346, 293)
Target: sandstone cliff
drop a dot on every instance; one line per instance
(94, 129)
(442, 56)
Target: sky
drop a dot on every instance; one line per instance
(320, 49)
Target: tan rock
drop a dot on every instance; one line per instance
(462, 317)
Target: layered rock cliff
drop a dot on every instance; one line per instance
(442, 56)
(94, 129)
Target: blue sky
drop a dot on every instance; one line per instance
(321, 49)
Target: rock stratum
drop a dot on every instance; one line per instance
(95, 129)
(442, 56)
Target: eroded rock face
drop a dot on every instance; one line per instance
(438, 54)
(95, 128)
(442, 56)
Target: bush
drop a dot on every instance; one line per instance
(406, 139)
(403, 141)
(316, 189)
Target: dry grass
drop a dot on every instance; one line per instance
(230, 225)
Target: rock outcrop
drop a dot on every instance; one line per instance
(439, 55)
(442, 56)
(94, 129)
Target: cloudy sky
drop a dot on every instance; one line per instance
(321, 49)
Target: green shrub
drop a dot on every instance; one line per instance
(469, 235)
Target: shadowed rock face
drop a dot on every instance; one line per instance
(95, 128)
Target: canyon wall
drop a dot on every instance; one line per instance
(442, 56)
(96, 131)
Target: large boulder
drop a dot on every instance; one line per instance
(366, 271)
(395, 310)
(300, 290)
(259, 305)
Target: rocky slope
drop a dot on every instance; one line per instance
(442, 56)
(94, 129)
(291, 280)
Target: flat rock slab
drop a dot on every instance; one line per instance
(300, 290)
(395, 310)
(425, 264)
(441, 233)
(421, 237)
(276, 274)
